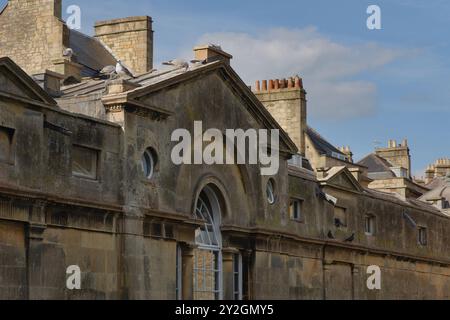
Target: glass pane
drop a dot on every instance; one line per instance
(206, 275)
(148, 164)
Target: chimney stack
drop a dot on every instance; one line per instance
(396, 154)
(130, 39)
(286, 96)
(33, 34)
(212, 53)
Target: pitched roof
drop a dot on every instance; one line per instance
(347, 180)
(441, 190)
(157, 80)
(321, 144)
(377, 167)
(90, 53)
(26, 87)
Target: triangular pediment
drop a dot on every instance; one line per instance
(343, 179)
(15, 83)
(237, 87)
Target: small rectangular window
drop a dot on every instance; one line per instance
(370, 225)
(84, 162)
(295, 210)
(340, 217)
(423, 236)
(6, 147)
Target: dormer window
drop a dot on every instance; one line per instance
(400, 172)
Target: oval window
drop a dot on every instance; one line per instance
(270, 190)
(148, 163)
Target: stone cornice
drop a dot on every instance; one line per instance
(283, 235)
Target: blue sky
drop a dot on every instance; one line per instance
(363, 86)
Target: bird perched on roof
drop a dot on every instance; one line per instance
(330, 235)
(338, 223)
(198, 63)
(215, 46)
(123, 71)
(108, 72)
(178, 63)
(351, 238)
(68, 53)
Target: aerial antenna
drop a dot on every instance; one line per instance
(376, 144)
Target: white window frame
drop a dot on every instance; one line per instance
(211, 240)
(218, 271)
(237, 292)
(148, 163)
(370, 223)
(270, 192)
(422, 231)
(300, 211)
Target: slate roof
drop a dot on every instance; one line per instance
(378, 168)
(322, 145)
(441, 190)
(154, 80)
(98, 86)
(90, 52)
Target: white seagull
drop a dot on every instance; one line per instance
(108, 71)
(198, 63)
(68, 53)
(121, 70)
(178, 63)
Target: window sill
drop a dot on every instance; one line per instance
(81, 177)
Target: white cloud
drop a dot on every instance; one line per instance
(330, 70)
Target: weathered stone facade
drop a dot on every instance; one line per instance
(33, 34)
(73, 191)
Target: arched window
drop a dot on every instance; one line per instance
(208, 210)
(208, 256)
(270, 192)
(148, 163)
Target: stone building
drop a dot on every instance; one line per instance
(87, 179)
(390, 171)
(440, 169)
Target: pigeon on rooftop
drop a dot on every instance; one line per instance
(351, 238)
(198, 63)
(330, 235)
(215, 46)
(108, 72)
(178, 63)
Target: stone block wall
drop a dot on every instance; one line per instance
(286, 101)
(33, 34)
(131, 40)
